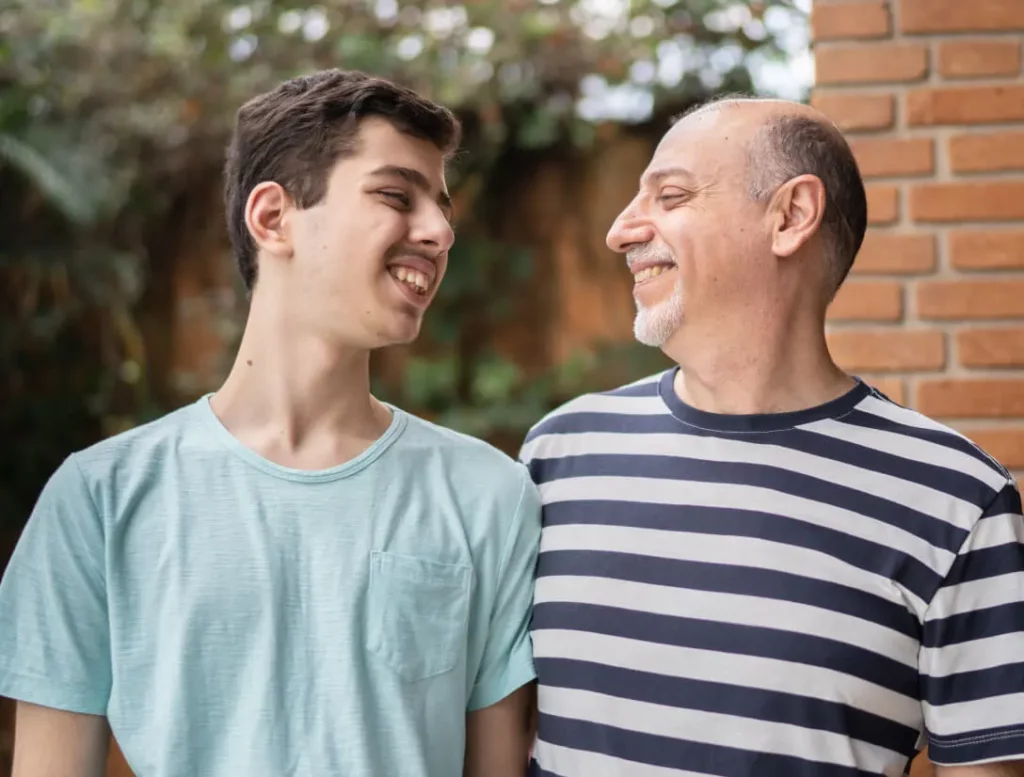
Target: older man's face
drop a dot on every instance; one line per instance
(692, 234)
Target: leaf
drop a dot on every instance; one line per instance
(62, 192)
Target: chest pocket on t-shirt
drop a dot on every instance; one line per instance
(418, 613)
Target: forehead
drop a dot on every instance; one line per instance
(709, 143)
(379, 143)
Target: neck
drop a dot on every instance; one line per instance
(761, 365)
(295, 397)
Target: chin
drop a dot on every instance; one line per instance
(400, 333)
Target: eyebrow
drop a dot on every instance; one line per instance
(657, 176)
(417, 179)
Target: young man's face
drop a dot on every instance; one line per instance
(368, 259)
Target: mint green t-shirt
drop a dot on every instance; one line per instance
(235, 618)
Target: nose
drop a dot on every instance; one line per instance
(431, 229)
(628, 230)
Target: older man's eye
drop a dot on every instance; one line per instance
(669, 197)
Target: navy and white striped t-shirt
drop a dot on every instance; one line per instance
(777, 596)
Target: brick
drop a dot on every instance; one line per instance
(868, 301)
(984, 201)
(978, 249)
(987, 152)
(852, 112)
(892, 387)
(968, 299)
(871, 63)
(975, 59)
(928, 106)
(971, 397)
(894, 254)
(883, 203)
(923, 16)
(836, 21)
(1005, 445)
(888, 350)
(879, 157)
(991, 347)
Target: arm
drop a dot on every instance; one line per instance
(1005, 769)
(499, 713)
(498, 737)
(970, 663)
(82, 750)
(55, 634)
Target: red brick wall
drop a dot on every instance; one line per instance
(931, 96)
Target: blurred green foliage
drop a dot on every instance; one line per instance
(112, 110)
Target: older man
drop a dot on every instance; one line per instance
(754, 563)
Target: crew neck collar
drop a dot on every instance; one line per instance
(346, 469)
(756, 423)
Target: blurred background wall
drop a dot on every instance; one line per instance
(119, 299)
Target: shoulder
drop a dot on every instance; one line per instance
(109, 464)
(468, 461)
(615, 410)
(911, 433)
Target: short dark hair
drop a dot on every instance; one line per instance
(789, 145)
(296, 133)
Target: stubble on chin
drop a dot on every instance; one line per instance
(654, 325)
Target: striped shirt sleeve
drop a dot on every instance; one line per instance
(972, 654)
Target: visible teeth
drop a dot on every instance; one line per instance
(650, 272)
(414, 278)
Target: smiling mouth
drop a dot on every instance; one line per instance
(417, 282)
(651, 272)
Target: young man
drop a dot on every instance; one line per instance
(289, 577)
(754, 564)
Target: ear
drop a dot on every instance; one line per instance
(266, 213)
(798, 207)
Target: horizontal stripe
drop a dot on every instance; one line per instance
(730, 564)
(565, 762)
(754, 609)
(760, 594)
(977, 624)
(824, 439)
(755, 672)
(939, 432)
(971, 656)
(670, 455)
(859, 553)
(647, 386)
(700, 756)
(996, 564)
(975, 685)
(1003, 528)
(1006, 502)
(960, 598)
(944, 447)
(729, 638)
(965, 717)
(728, 699)
(874, 495)
(568, 423)
(692, 493)
(978, 746)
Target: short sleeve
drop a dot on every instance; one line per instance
(972, 654)
(54, 634)
(507, 662)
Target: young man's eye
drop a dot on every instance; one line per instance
(400, 199)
